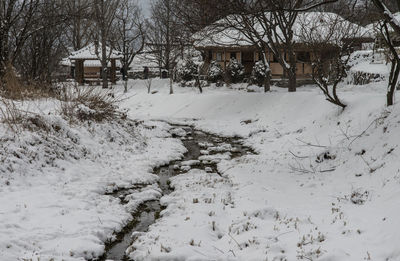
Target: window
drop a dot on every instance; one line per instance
(219, 57)
(233, 56)
(303, 57)
(210, 54)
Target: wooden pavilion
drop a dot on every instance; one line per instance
(88, 65)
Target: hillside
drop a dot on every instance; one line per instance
(324, 185)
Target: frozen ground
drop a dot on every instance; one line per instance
(52, 185)
(325, 184)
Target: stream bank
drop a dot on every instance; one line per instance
(204, 151)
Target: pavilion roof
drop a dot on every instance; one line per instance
(89, 53)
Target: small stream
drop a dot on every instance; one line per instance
(204, 151)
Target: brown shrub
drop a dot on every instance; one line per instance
(13, 87)
(89, 104)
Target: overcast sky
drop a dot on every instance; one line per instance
(146, 7)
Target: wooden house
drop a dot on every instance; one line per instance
(86, 65)
(222, 45)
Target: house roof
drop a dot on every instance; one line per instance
(374, 27)
(145, 59)
(88, 63)
(89, 53)
(313, 24)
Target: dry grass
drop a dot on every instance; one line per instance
(11, 115)
(12, 87)
(78, 104)
(89, 104)
(17, 119)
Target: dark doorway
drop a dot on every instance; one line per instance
(248, 62)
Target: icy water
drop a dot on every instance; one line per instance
(204, 151)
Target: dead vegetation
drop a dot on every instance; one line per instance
(89, 104)
(13, 87)
(77, 104)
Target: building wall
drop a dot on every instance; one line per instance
(304, 69)
(92, 72)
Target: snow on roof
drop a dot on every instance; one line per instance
(88, 63)
(316, 23)
(89, 53)
(374, 27)
(142, 60)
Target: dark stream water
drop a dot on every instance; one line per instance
(203, 151)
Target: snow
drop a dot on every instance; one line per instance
(274, 205)
(374, 27)
(368, 66)
(89, 52)
(53, 185)
(324, 184)
(89, 63)
(316, 25)
(145, 59)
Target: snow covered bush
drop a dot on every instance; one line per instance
(258, 75)
(215, 72)
(187, 70)
(367, 67)
(235, 71)
(89, 104)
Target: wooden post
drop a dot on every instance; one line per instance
(82, 62)
(79, 71)
(113, 71)
(224, 59)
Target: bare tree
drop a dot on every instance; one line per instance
(79, 23)
(269, 26)
(104, 14)
(15, 27)
(197, 14)
(44, 47)
(130, 34)
(331, 38)
(166, 39)
(389, 21)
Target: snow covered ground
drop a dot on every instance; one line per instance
(325, 184)
(53, 185)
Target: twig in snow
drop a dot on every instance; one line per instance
(297, 156)
(327, 170)
(219, 249)
(235, 242)
(310, 144)
(200, 253)
(284, 233)
(364, 131)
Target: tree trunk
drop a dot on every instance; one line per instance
(267, 81)
(198, 83)
(394, 77)
(104, 77)
(104, 62)
(126, 86)
(292, 82)
(171, 90)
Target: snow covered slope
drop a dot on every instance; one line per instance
(325, 184)
(53, 182)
